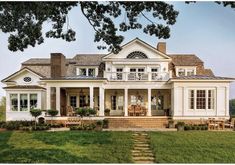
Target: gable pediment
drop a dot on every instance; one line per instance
(137, 49)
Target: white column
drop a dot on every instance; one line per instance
(149, 102)
(227, 101)
(48, 97)
(126, 102)
(101, 93)
(91, 97)
(18, 101)
(39, 104)
(28, 97)
(58, 99)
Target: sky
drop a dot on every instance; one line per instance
(203, 28)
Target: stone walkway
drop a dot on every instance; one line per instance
(142, 152)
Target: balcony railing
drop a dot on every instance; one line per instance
(137, 76)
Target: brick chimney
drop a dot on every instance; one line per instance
(161, 47)
(57, 65)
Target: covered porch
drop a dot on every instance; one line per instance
(110, 102)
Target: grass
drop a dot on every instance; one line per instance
(65, 147)
(193, 147)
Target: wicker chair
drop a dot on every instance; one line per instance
(131, 110)
(70, 111)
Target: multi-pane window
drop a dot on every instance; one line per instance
(91, 72)
(113, 102)
(120, 102)
(119, 73)
(201, 99)
(181, 72)
(83, 71)
(23, 102)
(73, 101)
(14, 102)
(190, 72)
(141, 70)
(33, 101)
(211, 98)
(191, 99)
(133, 70)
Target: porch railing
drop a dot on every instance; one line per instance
(137, 76)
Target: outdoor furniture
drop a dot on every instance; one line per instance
(70, 111)
(228, 124)
(212, 124)
(131, 110)
(138, 110)
(72, 121)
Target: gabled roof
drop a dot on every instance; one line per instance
(20, 71)
(185, 59)
(88, 59)
(141, 42)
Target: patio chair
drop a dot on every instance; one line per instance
(70, 111)
(131, 110)
(212, 124)
(228, 124)
(138, 110)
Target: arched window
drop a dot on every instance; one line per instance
(137, 54)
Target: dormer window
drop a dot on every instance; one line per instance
(186, 71)
(91, 72)
(82, 72)
(137, 55)
(181, 72)
(27, 79)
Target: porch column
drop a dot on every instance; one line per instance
(48, 97)
(126, 102)
(101, 93)
(149, 113)
(58, 99)
(91, 97)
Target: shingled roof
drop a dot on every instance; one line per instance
(88, 59)
(185, 59)
(202, 77)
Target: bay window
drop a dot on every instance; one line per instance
(201, 99)
(14, 102)
(33, 101)
(23, 102)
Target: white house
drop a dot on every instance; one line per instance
(139, 81)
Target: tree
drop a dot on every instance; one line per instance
(35, 113)
(2, 109)
(24, 20)
(232, 107)
(52, 113)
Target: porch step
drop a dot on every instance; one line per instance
(148, 123)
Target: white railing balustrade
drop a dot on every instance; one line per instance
(137, 76)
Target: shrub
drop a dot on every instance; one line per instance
(41, 128)
(105, 123)
(2, 124)
(26, 128)
(56, 125)
(99, 123)
(91, 111)
(52, 112)
(83, 127)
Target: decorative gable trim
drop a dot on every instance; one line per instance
(143, 43)
(19, 72)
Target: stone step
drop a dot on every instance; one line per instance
(143, 158)
(144, 162)
(139, 151)
(141, 142)
(141, 145)
(140, 154)
(142, 148)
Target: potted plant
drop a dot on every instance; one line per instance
(91, 111)
(171, 123)
(180, 126)
(35, 113)
(52, 113)
(107, 112)
(81, 112)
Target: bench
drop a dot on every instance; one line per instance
(72, 121)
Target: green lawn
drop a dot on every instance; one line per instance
(65, 147)
(194, 147)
